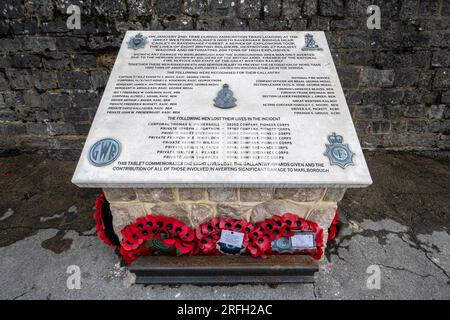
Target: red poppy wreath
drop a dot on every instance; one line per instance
(157, 235)
(332, 231)
(264, 239)
(103, 219)
(258, 239)
(209, 234)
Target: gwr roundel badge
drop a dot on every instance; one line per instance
(104, 152)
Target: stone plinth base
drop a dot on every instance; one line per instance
(196, 206)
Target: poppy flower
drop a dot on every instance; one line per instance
(205, 244)
(256, 242)
(289, 219)
(309, 225)
(333, 228)
(104, 232)
(128, 245)
(267, 224)
(253, 249)
(208, 246)
(99, 226)
(134, 233)
(319, 238)
(239, 225)
(249, 227)
(125, 232)
(215, 223)
(276, 231)
(131, 237)
(170, 242)
(278, 221)
(149, 222)
(144, 234)
(318, 254)
(204, 229)
(178, 227)
(160, 223)
(331, 232)
(184, 247)
(198, 232)
(263, 243)
(247, 240)
(187, 234)
(181, 246)
(171, 224)
(267, 227)
(140, 223)
(286, 231)
(127, 256)
(298, 224)
(130, 255)
(226, 223)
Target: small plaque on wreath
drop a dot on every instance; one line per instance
(230, 242)
(304, 240)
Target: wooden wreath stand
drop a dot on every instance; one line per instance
(223, 270)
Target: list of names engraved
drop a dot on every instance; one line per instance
(222, 108)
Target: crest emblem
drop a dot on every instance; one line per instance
(104, 152)
(225, 99)
(229, 249)
(281, 245)
(138, 41)
(295, 243)
(338, 153)
(310, 43)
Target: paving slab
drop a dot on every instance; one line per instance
(398, 226)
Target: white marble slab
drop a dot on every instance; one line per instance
(159, 109)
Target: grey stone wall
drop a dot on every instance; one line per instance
(397, 79)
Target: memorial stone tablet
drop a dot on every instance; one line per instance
(206, 109)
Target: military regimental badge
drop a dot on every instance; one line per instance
(138, 41)
(281, 245)
(310, 43)
(230, 242)
(338, 153)
(225, 99)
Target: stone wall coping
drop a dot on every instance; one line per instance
(84, 184)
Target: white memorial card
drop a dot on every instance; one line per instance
(303, 240)
(231, 238)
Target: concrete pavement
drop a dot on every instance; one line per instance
(399, 226)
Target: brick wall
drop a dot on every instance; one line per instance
(397, 79)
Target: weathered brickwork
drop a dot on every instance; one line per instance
(196, 206)
(396, 80)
